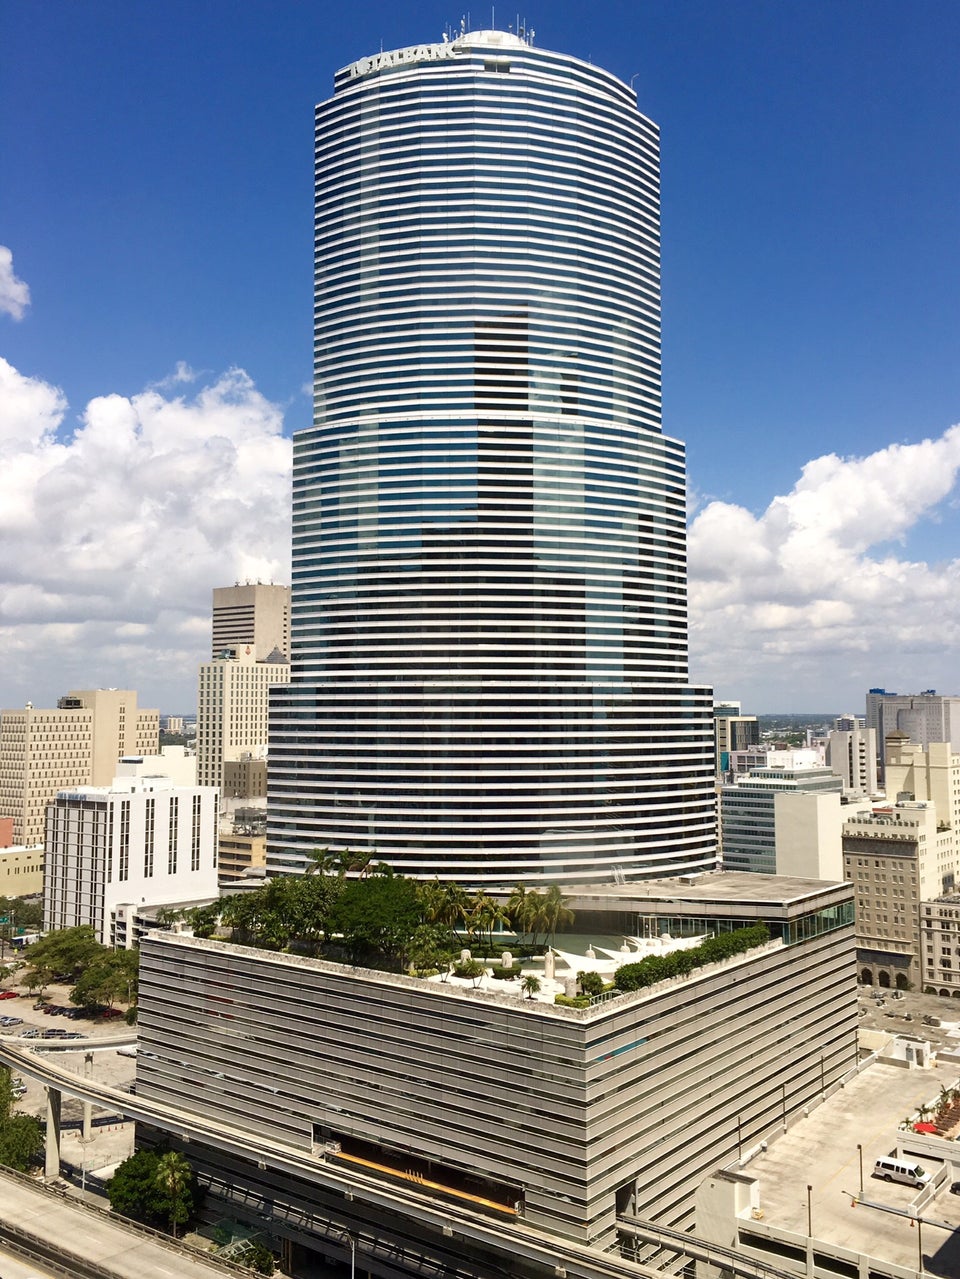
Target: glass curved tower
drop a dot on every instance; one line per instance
(489, 665)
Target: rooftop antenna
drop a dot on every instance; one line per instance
(493, 17)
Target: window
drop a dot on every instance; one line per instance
(123, 860)
(195, 834)
(172, 833)
(148, 837)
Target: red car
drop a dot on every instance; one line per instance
(8, 994)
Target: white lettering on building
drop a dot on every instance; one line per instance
(397, 57)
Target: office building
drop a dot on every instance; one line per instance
(932, 775)
(21, 870)
(489, 646)
(574, 1118)
(847, 723)
(852, 755)
(732, 732)
(233, 712)
(255, 614)
(896, 857)
(782, 820)
(924, 717)
(140, 842)
(940, 945)
(76, 744)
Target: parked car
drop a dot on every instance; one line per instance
(8, 994)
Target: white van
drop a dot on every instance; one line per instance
(891, 1169)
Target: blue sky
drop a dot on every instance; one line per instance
(156, 200)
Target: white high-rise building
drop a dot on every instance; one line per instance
(783, 820)
(489, 645)
(141, 842)
(852, 755)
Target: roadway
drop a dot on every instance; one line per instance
(51, 1235)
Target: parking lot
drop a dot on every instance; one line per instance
(111, 1138)
(823, 1170)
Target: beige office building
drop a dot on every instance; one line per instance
(255, 616)
(931, 774)
(78, 743)
(21, 871)
(233, 708)
(896, 857)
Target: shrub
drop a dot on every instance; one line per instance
(575, 1001)
(655, 968)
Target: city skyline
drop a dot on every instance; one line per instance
(809, 336)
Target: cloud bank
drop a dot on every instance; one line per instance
(115, 531)
(810, 595)
(115, 527)
(14, 293)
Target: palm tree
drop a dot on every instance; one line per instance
(173, 1178)
(556, 912)
(531, 985)
(354, 863)
(322, 862)
(477, 918)
(536, 920)
(518, 908)
(456, 906)
(499, 917)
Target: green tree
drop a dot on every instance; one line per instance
(174, 1178)
(21, 1136)
(323, 862)
(518, 908)
(133, 1190)
(155, 1187)
(108, 978)
(377, 914)
(61, 955)
(203, 919)
(531, 985)
(555, 911)
(591, 983)
(21, 1141)
(256, 1256)
(429, 948)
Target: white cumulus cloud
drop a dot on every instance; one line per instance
(114, 532)
(809, 595)
(14, 293)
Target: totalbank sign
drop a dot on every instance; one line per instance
(399, 57)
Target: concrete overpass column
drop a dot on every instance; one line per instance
(52, 1154)
(87, 1105)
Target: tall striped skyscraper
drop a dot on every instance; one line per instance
(489, 647)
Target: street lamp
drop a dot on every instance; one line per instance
(84, 1143)
(860, 1153)
(353, 1251)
